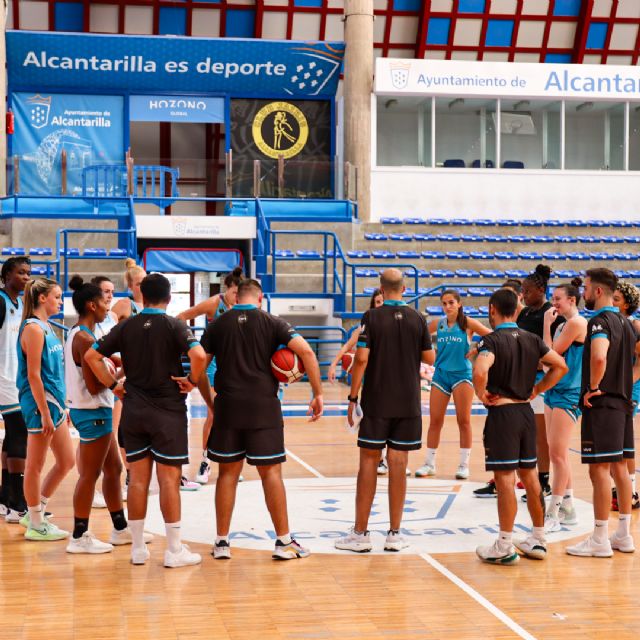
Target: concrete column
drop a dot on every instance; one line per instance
(358, 86)
(3, 100)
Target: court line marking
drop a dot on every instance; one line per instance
(481, 600)
(302, 463)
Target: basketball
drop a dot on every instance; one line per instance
(111, 367)
(347, 361)
(286, 366)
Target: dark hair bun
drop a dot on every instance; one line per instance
(577, 282)
(75, 283)
(237, 272)
(543, 271)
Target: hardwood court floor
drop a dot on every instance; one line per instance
(45, 592)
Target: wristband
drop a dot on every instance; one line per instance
(594, 389)
(114, 385)
(191, 381)
(350, 399)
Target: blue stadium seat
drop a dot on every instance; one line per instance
(600, 255)
(434, 311)
(456, 255)
(588, 239)
(481, 255)
(416, 221)
(634, 273)
(541, 239)
(632, 239)
(529, 255)
(530, 223)
(284, 253)
(456, 163)
(13, 251)
(483, 310)
(422, 290)
(566, 239)
(508, 223)
(461, 222)
(565, 273)
(505, 255)
(485, 222)
(626, 256)
(513, 164)
(38, 271)
(473, 237)
(390, 221)
(472, 312)
(376, 237)
(515, 273)
(401, 237)
(118, 253)
(72, 252)
(358, 254)
(442, 273)
(308, 253)
(95, 252)
(611, 239)
(447, 237)
(490, 237)
(460, 290)
(408, 255)
(519, 238)
(40, 251)
(369, 290)
(480, 291)
(424, 237)
(577, 223)
(433, 255)
(366, 273)
(383, 255)
(599, 223)
(422, 273)
(409, 292)
(491, 273)
(621, 224)
(439, 221)
(577, 255)
(554, 223)
(467, 273)
(553, 255)
(488, 164)
(621, 273)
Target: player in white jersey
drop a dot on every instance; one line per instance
(15, 274)
(91, 407)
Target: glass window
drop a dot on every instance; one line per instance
(634, 136)
(465, 132)
(594, 136)
(403, 131)
(530, 133)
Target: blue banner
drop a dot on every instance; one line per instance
(157, 64)
(88, 128)
(176, 109)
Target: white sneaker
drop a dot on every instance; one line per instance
(462, 472)
(13, 516)
(183, 558)
(88, 543)
(408, 472)
(125, 490)
(426, 470)
(240, 478)
(494, 554)
(3, 510)
(202, 477)
(395, 541)
(382, 468)
(221, 550)
(98, 501)
(589, 548)
(289, 551)
(552, 524)
(188, 485)
(358, 542)
(568, 516)
(623, 544)
(124, 536)
(532, 547)
(140, 556)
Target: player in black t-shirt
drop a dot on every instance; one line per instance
(504, 377)
(607, 413)
(154, 412)
(393, 342)
(247, 413)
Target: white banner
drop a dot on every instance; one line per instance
(397, 76)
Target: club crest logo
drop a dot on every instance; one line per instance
(179, 226)
(40, 109)
(400, 74)
(280, 128)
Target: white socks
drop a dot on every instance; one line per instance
(173, 536)
(137, 533)
(286, 538)
(624, 522)
(35, 516)
(554, 507)
(505, 539)
(465, 454)
(601, 531)
(431, 457)
(538, 533)
(567, 500)
(632, 476)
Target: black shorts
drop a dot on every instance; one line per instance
(259, 446)
(149, 431)
(606, 434)
(403, 434)
(15, 435)
(509, 437)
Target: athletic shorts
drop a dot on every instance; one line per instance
(92, 424)
(568, 401)
(259, 446)
(150, 431)
(537, 404)
(403, 434)
(606, 434)
(15, 435)
(635, 397)
(447, 381)
(31, 414)
(211, 372)
(509, 437)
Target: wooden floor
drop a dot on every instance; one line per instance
(46, 593)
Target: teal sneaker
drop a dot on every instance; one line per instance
(46, 533)
(494, 554)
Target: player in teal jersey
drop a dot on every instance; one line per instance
(627, 299)
(42, 400)
(452, 377)
(562, 401)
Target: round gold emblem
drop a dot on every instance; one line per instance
(280, 128)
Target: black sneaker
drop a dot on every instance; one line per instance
(546, 492)
(488, 491)
(635, 501)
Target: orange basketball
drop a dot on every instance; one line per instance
(348, 360)
(286, 366)
(111, 367)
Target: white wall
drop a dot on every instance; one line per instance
(407, 192)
